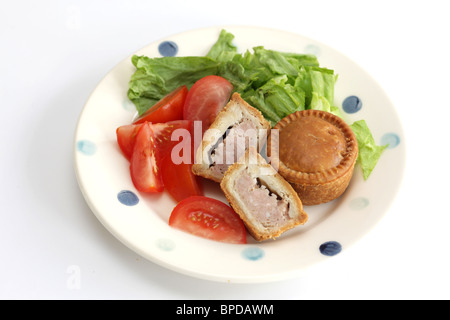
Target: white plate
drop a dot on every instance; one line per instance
(140, 221)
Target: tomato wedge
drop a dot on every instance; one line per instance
(169, 108)
(126, 137)
(206, 98)
(208, 218)
(179, 181)
(144, 171)
(163, 133)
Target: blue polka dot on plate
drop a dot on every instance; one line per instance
(86, 147)
(253, 253)
(352, 104)
(330, 248)
(128, 198)
(390, 138)
(168, 49)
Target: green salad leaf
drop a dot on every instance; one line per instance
(277, 83)
(276, 98)
(223, 50)
(156, 77)
(369, 151)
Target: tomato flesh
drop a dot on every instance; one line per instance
(144, 170)
(126, 136)
(176, 164)
(163, 133)
(179, 181)
(208, 218)
(169, 108)
(206, 98)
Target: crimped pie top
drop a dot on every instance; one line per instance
(314, 147)
(319, 145)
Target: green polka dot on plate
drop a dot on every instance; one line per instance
(253, 253)
(312, 49)
(165, 244)
(390, 138)
(359, 203)
(86, 147)
(128, 105)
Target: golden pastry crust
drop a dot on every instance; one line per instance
(317, 153)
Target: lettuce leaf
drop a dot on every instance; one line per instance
(369, 152)
(156, 77)
(275, 61)
(318, 84)
(276, 99)
(223, 50)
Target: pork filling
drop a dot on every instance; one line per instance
(266, 206)
(232, 146)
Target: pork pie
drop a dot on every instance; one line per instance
(317, 152)
(266, 203)
(235, 128)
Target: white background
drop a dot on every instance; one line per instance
(53, 53)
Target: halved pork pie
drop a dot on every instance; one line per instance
(266, 203)
(235, 128)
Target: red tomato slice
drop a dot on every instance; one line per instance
(144, 171)
(179, 181)
(208, 218)
(169, 108)
(126, 136)
(163, 133)
(206, 98)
